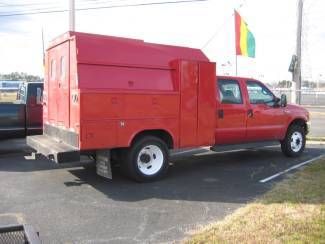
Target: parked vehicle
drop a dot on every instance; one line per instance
(132, 101)
(24, 116)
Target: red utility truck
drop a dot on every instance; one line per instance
(132, 101)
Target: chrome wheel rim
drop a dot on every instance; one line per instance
(296, 141)
(150, 160)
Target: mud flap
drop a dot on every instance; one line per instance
(103, 163)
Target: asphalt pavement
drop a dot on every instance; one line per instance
(74, 205)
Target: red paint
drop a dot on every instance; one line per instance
(115, 88)
(120, 87)
(267, 123)
(238, 21)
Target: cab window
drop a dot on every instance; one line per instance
(21, 94)
(259, 94)
(229, 91)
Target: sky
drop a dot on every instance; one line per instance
(208, 25)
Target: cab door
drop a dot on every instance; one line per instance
(231, 112)
(189, 77)
(34, 109)
(266, 120)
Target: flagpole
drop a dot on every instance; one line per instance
(236, 65)
(235, 43)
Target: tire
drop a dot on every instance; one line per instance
(294, 143)
(146, 160)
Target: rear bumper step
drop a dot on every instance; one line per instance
(57, 151)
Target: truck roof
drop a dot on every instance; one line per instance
(234, 77)
(118, 50)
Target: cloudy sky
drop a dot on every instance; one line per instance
(208, 25)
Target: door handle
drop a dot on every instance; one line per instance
(220, 114)
(250, 113)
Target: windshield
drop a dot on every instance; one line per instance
(21, 94)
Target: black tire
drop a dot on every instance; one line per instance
(146, 167)
(294, 143)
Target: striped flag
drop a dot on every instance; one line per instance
(245, 41)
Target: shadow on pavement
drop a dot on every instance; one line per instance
(13, 146)
(228, 177)
(224, 177)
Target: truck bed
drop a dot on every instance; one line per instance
(12, 120)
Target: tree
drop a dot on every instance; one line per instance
(285, 84)
(20, 76)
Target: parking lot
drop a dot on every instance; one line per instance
(74, 205)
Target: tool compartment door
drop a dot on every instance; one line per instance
(50, 87)
(63, 98)
(206, 104)
(189, 79)
(59, 86)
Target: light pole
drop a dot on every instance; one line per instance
(296, 75)
(72, 11)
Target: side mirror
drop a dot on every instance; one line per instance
(276, 102)
(283, 101)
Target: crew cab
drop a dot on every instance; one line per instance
(250, 115)
(24, 116)
(130, 101)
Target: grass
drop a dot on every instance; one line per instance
(292, 212)
(8, 97)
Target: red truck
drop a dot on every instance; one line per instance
(132, 101)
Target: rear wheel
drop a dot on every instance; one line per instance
(294, 143)
(147, 159)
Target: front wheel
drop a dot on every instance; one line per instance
(147, 159)
(294, 143)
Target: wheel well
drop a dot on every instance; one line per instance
(162, 134)
(299, 122)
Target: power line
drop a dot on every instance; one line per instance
(103, 7)
(6, 5)
(99, 2)
(45, 4)
(31, 10)
(49, 6)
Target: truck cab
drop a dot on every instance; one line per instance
(23, 116)
(248, 114)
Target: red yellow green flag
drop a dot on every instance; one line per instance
(245, 41)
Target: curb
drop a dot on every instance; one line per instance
(313, 142)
